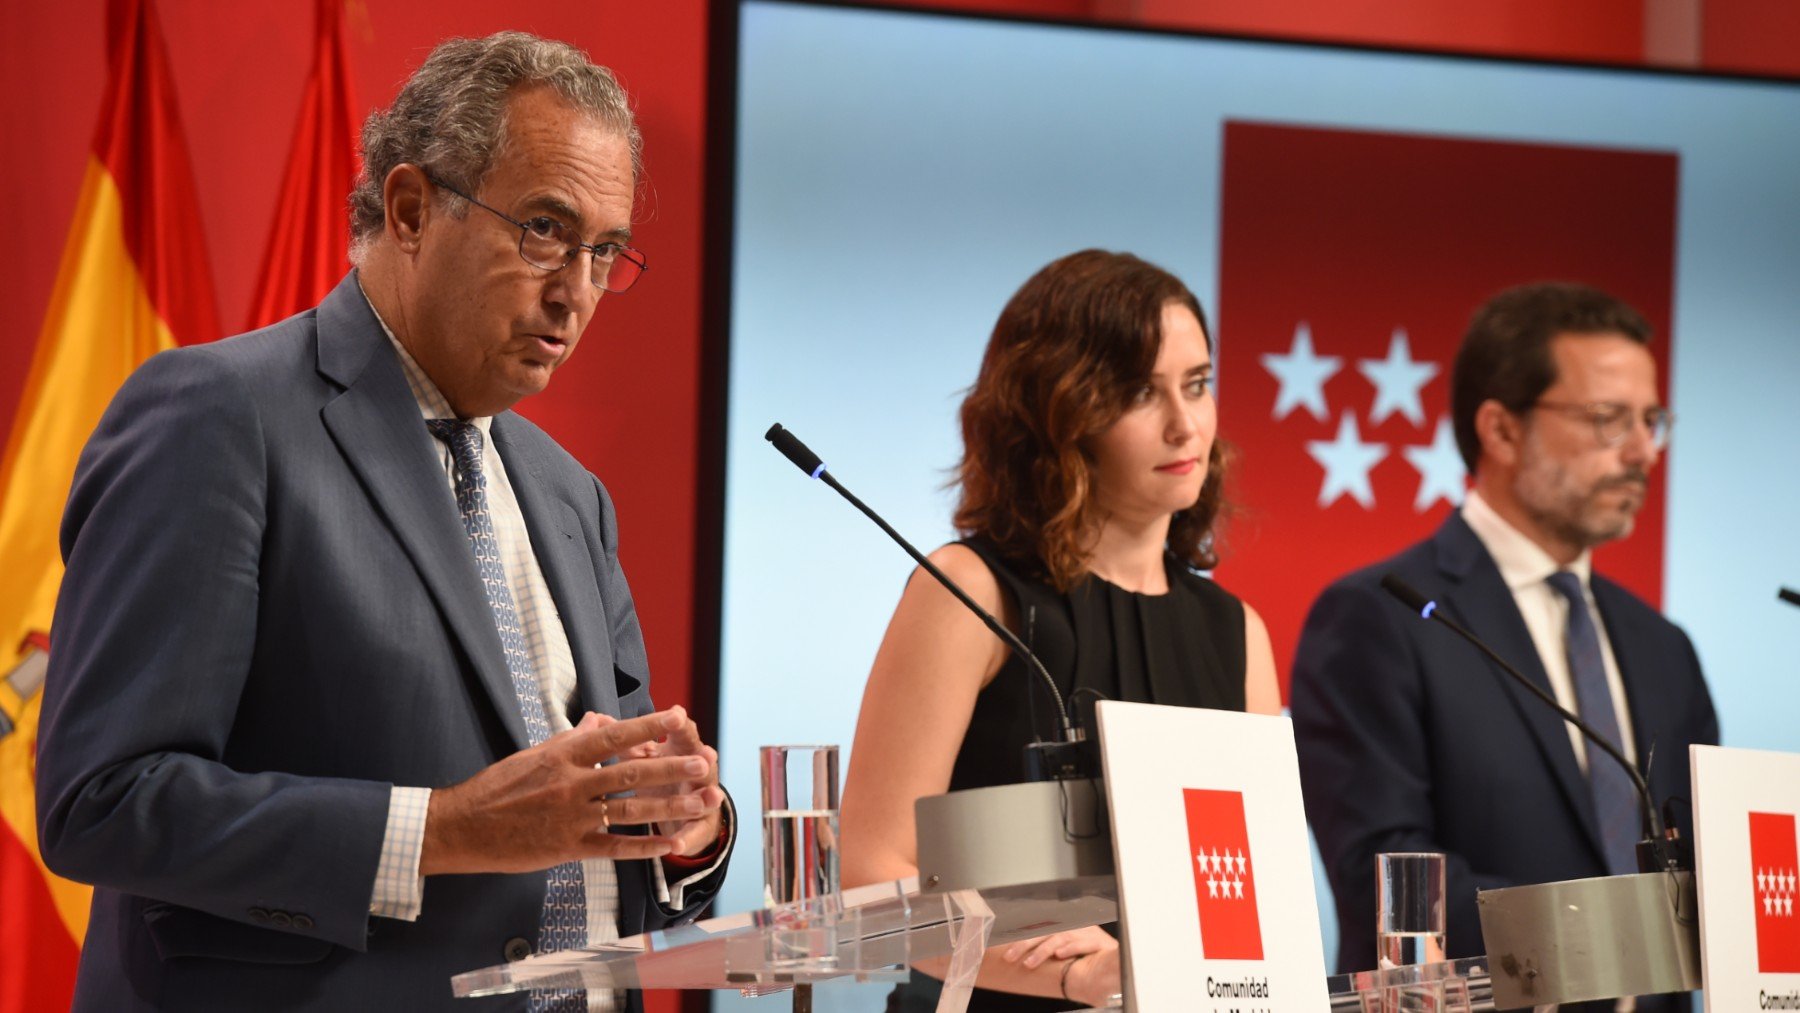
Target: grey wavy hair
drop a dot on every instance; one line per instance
(450, 117)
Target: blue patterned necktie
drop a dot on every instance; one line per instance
(563, 924)
(1615, 796)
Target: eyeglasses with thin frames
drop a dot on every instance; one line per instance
(1613, 421)
(549, 245)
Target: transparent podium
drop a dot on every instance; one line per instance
(1451, 986)
(870, 933)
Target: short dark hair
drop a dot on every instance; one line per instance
(1505, 354)
(1069, 350)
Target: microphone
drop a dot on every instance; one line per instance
(1654, 852)
(1789, 595)
(1044, 761)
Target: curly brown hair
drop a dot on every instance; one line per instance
(1069, 351)
(450, 117)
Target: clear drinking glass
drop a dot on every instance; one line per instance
(800, 850)
(1410, 914)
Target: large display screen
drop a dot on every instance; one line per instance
(1338, 212)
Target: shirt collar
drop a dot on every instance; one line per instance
(432, 403)
(1522, 562)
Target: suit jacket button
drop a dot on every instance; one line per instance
(259, 914)
(516, 950)
(303, 922)
(281, 919)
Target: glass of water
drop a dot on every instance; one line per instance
(1410, 914)
(800, 850)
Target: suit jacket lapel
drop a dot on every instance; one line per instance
(568, 568)
(1481, 601)
(376, 425)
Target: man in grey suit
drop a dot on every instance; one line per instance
(1409, 738)
(347, 692)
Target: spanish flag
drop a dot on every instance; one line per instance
(133, 281)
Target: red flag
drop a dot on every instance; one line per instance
(308, 247)
(133, 280)
(1350, 263)
(1224, 875)
(1775, 862)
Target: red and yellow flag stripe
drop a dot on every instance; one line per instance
(133, 280)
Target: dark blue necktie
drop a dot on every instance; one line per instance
(1615, 796)
(563, 923)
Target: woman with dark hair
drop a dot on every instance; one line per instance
(1090, 490)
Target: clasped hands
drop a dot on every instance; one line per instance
(556, 803)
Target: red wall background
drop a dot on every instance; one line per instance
(627, 405)
(632, 405)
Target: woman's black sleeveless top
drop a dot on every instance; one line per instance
(1099, 641)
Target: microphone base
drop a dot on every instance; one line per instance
(1668, 855)
(1592, 939)
(1061, 761)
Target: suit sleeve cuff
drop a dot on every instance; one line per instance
(694, 868)
(399, 889)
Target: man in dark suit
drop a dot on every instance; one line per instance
(347, 692)
(1411, 740)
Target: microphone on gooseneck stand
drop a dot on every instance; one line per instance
(1656, 852)
(1044, 761)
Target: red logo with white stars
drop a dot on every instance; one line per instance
(1224, 875)
(1775, 863)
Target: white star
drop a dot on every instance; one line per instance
(1212, 888)
(1237, 889)
(1346, 460)
(1397, 379)
(1217, 860)
(1440, 468)
(1787, 905)
(1762, 882)
(1240, 863)
(1201, 858)
(1769, 904)
(1302, 374)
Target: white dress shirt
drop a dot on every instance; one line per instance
(1526, 568)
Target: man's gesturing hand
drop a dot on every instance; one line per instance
(693, 829)
(543, 806)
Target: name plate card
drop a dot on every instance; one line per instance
(1215, 874)
(1747, 857)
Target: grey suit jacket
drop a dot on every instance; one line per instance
(1411, 740)
(271, 615)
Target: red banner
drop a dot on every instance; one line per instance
(1350, 263)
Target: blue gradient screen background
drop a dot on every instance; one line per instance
(900, 174)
